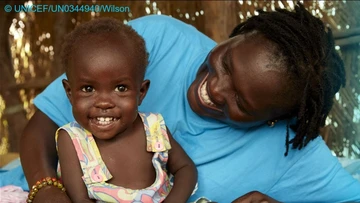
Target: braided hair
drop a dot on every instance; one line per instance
(308, 53)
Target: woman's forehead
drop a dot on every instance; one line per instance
(259, 75)
(254, 54)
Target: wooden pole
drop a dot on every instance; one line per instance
(220, 18)
(347, 33)
(16, 116)
(348, 41)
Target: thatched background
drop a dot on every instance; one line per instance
(30, 43)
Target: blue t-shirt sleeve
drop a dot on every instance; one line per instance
(54, 103)
(164, 35)
(317, 177)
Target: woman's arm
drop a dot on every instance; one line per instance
(71, 173)
(184, 171)
(255, 197)
(38, 156)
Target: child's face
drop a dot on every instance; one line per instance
(104, 84)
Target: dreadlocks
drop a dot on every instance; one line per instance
(308, 53)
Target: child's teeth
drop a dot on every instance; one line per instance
(104, 120)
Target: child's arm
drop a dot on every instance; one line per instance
(184, 171)
(71, 173)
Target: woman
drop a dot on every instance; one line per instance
(235, 108)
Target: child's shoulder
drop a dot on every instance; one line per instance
(151, 117)
(74, 129)
(71, 125)
(149, 114)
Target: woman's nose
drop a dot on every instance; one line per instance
(217, 89)
(218, 81)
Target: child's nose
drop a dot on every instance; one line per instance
(104, 101)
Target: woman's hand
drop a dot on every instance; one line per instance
(255, 197)
(51, 194)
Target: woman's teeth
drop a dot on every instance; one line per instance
(204, 95)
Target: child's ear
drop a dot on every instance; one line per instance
(67, 88)
(143, 90)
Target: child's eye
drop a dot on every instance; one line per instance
(121, 88)
(87, 89)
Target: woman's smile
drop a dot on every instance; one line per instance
(224, 85)
(204, 97)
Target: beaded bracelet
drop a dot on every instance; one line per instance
(42, 183)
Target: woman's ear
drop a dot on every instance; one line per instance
(143, 90)
(67, 88)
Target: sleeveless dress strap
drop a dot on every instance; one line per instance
(92, 165)
(157, 139)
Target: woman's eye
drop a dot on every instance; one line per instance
(121, 88)
(225, 66)
(87, 89)
(237, 100)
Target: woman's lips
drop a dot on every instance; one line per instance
(204, 95)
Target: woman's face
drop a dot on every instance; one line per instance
(239, 82)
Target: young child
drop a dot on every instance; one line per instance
(112, 152)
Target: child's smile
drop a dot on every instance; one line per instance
(103, 123)
(104, 85)
(104, 120)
